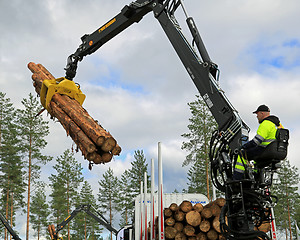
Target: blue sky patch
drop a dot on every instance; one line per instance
(279, 55)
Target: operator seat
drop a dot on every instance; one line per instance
(275, 151)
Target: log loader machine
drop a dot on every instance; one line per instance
(248, 201)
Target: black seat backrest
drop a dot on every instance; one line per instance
(282, 137)
(275, 151)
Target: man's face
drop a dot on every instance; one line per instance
(260, 116)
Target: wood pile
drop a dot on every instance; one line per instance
(195, 222)
(96, 144)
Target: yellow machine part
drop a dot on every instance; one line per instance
(61, 86)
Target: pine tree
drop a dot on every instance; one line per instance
(85, 227)
(108, 194)
(11, 167)
(65, 184)
(34, 131)
(201, 126)
(195, 179)
(39, 211)
(285, 188)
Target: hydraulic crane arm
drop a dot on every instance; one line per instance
(201, 69)
(86, 208)
(8, 227)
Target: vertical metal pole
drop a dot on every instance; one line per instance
(273, 225)
(214, 192)
(160, 196)
(152, 201)
(145, 206)
(141, 213)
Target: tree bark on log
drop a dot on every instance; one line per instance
(95, 143)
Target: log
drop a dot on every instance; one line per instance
(206, 213)
(212, 235)
(265, 227)
(189, 230)
(170, 222)
(192, 238)
(116, 150)
(204, 226)
(81, 118)
(220, 202)
(179, 216)
(77, 134)
(178, 226)
(186, 206)
(215, 210)
(168, 212)
(216, 224)
(201, 236)
(95, 143)
(193, 218)
(180, 236)
(174, 207)
(222, 237)
(198, 207)
(170, 232)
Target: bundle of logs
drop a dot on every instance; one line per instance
(195, 222)
(96, 144)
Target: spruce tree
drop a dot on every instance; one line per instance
(137, 170)
(136, 176)
(108, 194)
(285, 188)
(39, 211)
(201, 126)
(12, 183)
(125, 200)
(34, 130)
(65, 184)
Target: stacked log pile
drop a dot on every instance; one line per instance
(195, 222)
(96, 144)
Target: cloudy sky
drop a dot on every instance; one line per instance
(136, 86)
